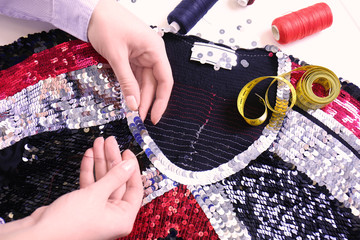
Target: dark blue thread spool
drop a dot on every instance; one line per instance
(187, 13)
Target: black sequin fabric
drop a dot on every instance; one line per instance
(274, 195)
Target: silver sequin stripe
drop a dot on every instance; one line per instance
(321, 157)
(220, 211)
(337, 127)
(83, 98)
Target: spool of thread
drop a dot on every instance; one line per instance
(302, 23)
(245, 3)
(187, 13)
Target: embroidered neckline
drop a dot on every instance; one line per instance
(187, 177)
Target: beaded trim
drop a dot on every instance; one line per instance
(161, 162)
(78, 99)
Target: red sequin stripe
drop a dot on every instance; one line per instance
(346, 110)
(176, 209)
(65, 57)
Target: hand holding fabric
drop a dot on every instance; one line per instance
(137, 55)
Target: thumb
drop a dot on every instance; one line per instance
(128, 83)
(116, 177)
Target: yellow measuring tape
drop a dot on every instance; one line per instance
(303, 96)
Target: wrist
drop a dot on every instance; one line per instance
(22, 228)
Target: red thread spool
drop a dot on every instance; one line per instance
(302, 23)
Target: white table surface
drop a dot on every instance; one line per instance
(336, 47)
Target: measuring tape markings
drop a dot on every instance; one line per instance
(245, 91)
(303, 96)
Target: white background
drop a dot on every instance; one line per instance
(336, 47)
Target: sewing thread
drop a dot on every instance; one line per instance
(187, 13)
(302, 23)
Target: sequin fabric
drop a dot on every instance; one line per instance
(278, 201)
(77, 99)
(177, 209)
(50, 167)
(206, 173)
(26, 46)
(67, 56)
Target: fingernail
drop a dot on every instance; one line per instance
(155, 121)
(128, 165)
(131, 103)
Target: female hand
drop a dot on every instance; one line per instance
(137, 55)
(105, 206)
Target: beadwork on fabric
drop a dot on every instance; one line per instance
(207, 174)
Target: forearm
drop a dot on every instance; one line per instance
(20, 229)
(72, 16)
(29, 10)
